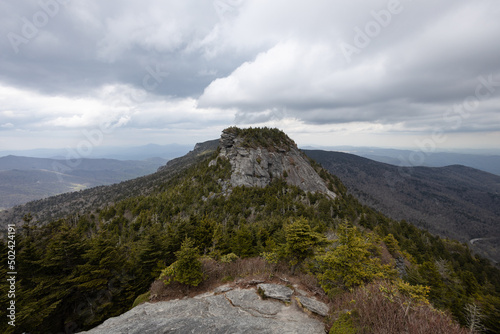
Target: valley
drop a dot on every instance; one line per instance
(455, 201)
(25, 179)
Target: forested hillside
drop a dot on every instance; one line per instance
(24, 179)
(78, 270)
(52, 208)
(455, 201)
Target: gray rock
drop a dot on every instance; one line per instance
(249, 301)
(222, 289)
(276, 291)
(235, 312)
(300, 292)
(313, 305)
(256, 167)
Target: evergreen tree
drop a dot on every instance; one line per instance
(187, 268)
(101, 280)
(301, 241)
(242, 242)
(46, 305)
(350, 263)
(151, 255)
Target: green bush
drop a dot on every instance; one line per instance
(141, 299)
(228, 258)
(343, 325)
(187, 268)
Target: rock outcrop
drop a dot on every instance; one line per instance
(276, 291)
(257, 166)
(231, 311)
(313, 305)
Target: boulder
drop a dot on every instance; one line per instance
(276, 291)
(313, 305)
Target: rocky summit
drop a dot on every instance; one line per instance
(232, 311)
(256, 161)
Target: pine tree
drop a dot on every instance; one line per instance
(350, 263)
(301, 242)
(187, 268)
(152, 255)
(46, 300)
(100, 281)
(242, 242)
(392, 245)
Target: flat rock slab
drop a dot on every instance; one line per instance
(276, 291)
(313, 305)
(249, 301)
(235, 312)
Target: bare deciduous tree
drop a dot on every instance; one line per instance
(474, 317)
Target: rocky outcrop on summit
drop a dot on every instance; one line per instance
(256, 166)
(234, 311)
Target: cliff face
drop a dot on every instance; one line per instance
(257, 166)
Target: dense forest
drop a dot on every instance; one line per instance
(456, 202)
(77, 271)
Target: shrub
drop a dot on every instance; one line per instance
(343, 325)
(228, 258)
(141, 299)
(389, 308)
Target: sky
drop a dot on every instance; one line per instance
(402, 74)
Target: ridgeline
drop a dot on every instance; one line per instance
(249, 210)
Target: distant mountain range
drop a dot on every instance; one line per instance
(23, 179)
(458, 202)
(143, 152)
(453, 201)
(485, 160)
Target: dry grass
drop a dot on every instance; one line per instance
(242, 273)
(371, 310)
(374, 312)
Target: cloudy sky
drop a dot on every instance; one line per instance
(364, 73)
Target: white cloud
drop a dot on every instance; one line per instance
(7, 126)
(108, 108)
(252, 62)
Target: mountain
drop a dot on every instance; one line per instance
(485, 160)
(244, 212)
(24, 179)
(254, 163)
(455, 201)
(142, 152)
(59, 206)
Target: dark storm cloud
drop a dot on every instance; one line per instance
(402, 64)
(67, 47)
